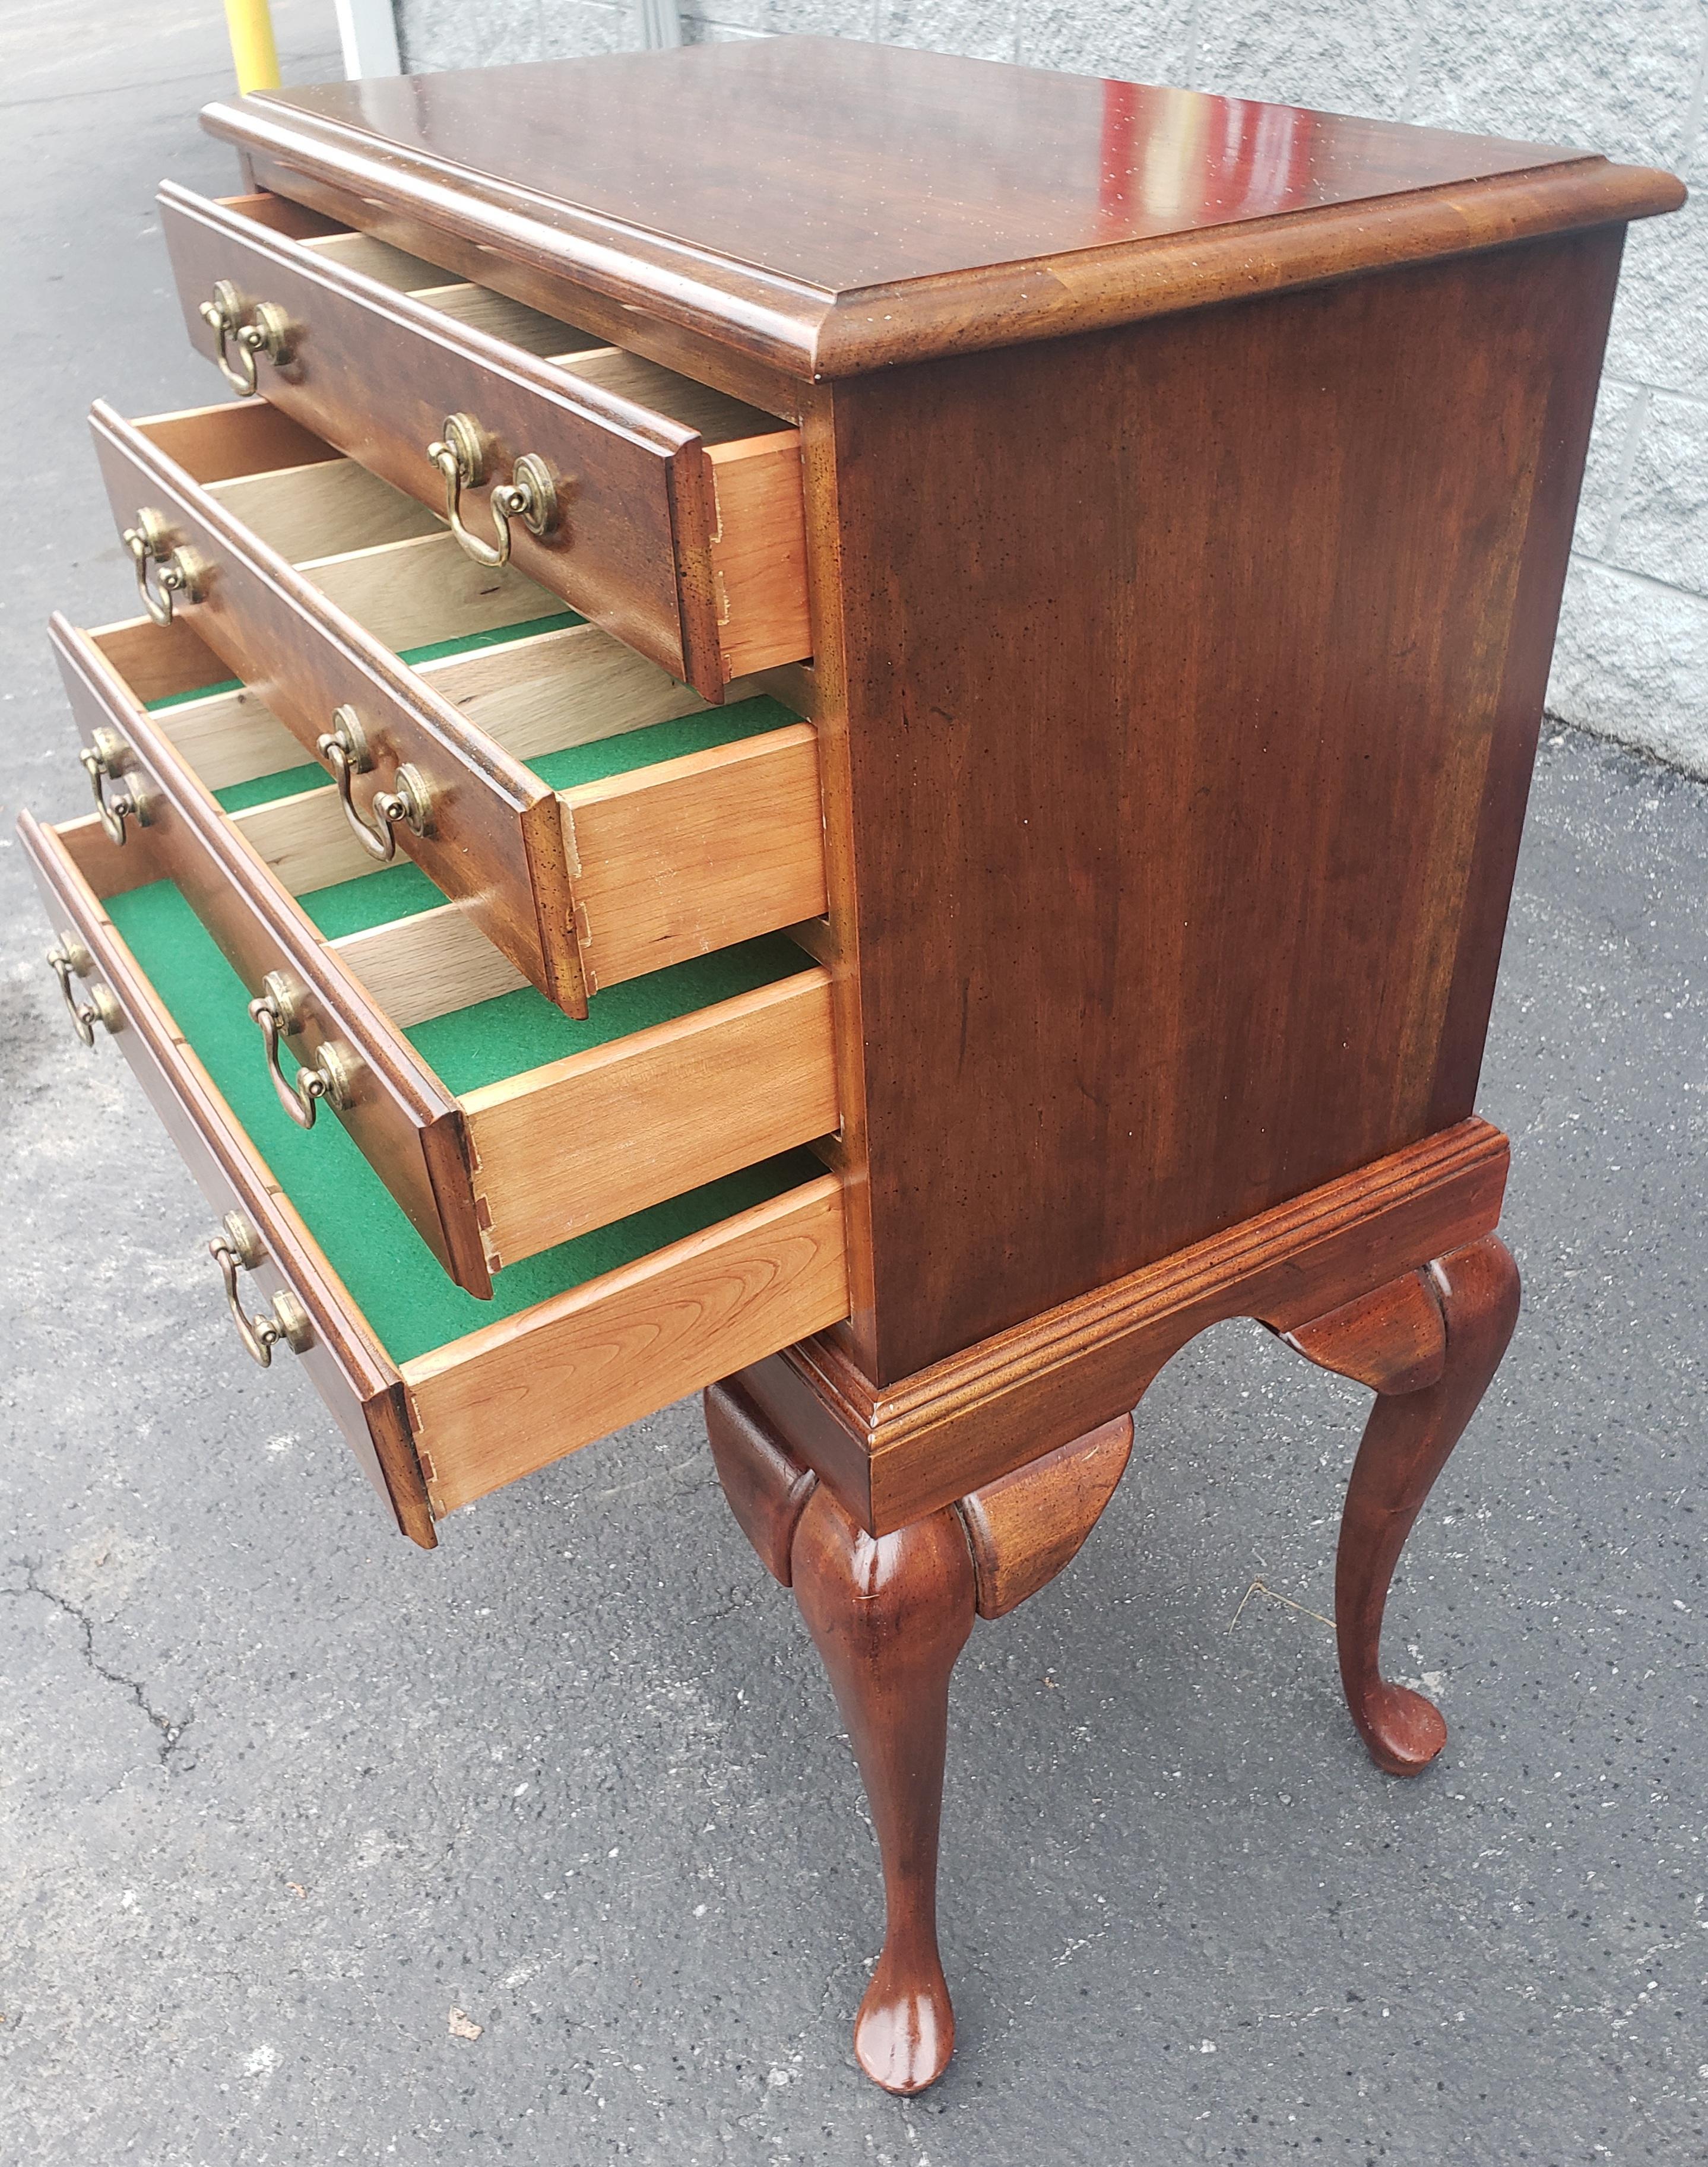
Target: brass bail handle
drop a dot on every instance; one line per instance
(344, 749)
(275, 1012)
(267, 331)
(104, 762)
(71, 959)
(151, 546)
(238, 1248)
(462, 457)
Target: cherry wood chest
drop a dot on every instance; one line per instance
(849, 728)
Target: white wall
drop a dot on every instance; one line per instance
(1625, 77)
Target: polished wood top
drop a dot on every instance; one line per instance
(881, 195)
(899, 164)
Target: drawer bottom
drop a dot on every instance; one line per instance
(410, 1304)
(443, 1397)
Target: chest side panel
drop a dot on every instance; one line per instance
(1194, 673)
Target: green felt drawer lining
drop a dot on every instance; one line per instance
(380, 898)
(488, 1041)
(392, 1275)
(436, 651)
(630, 750)
(625, 754)
(266, 789)
(521, 1030)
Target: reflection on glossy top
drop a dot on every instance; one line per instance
(842, 166)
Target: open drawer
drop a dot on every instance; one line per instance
(443, 1398)
(664, 511)
(503, 1125)
(312, 579)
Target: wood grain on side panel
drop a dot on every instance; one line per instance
(1180, 659)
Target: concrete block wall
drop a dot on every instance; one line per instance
(1625, 77)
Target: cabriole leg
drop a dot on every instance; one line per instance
(889, 1615)
(1427, 1344)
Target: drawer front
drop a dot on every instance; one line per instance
(564, 1142)
(350, 1370)
(378, 373)
(410, 1130)
(495, 839)
(454, 1423)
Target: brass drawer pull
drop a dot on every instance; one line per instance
(149, 542)
(237, 1247)
(344, 749)
(530, 495)
(104, 762)
(267, 331)
(70, 958)
(276, 1012)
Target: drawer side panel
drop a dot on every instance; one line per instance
(654, 1116)
(523, 1393)
(674, 860)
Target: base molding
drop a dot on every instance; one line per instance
(894, 1452)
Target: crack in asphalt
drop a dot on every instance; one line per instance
(170, 1732)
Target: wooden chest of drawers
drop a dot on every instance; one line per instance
(850, 728)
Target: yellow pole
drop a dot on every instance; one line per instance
(253, 53)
